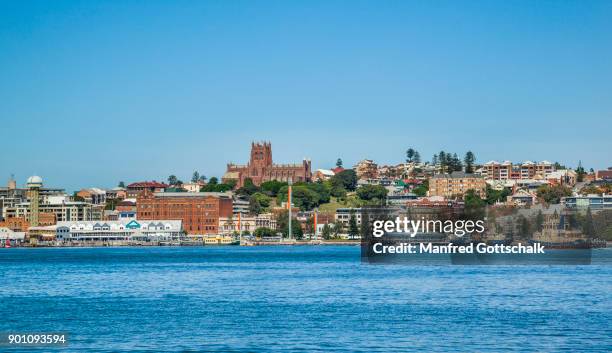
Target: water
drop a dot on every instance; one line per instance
(299, 299)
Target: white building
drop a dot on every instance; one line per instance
(154, 230)
(10, 235)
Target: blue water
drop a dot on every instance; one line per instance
(299, 299)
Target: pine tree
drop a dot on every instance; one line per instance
(353, 230)
(195, 177)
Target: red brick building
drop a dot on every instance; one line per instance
(135, 189)
(261, 168)
(199, 212)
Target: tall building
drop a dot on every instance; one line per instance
(200, 212)
(261, 168)
(34, 184)
(456, 184)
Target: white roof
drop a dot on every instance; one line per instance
(326, 172)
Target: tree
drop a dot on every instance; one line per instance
(346, 178)
(339, 163)
(434, 159)
(420, 190)
(580, 173)
(456, 163)
(443, 161)
(213, 181)
(195, 177)
(248, 188)
(353, 230)
(264, 232)
(121, 184)
(525, 227)
(410, 155)
(172, 180)
(539, 221)
(263, 199)
(417, 157)
(272, 187)
(588, 228)
(326, 232)
(553, 194)
(469, 160)
(254, 206)
(474, 207)
(203, 178)
(372, 192)
(282, 224)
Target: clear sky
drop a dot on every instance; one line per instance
(94, 92)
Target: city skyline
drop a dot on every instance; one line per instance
(93, 94)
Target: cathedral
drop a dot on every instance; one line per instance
(261, 168)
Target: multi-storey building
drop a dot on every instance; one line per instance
(366, 169)
(200, 212)
(261, 168)
(61, 211)
(135, 189)
(604, 174)
(595, 202)
(506, 170)
(456, 184)
(93, 195)
(231, 225)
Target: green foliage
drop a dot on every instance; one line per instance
(421, 190)
(283, 226)
(262, 232)
(410, 155)
(588, 228)
(474, 205)
(248, 188)
(469, 160)
(494, 196)
(346, 179)
(372, 193)
(326, 232)
(195, 177)
(353, 229)
(306, 196)
(111, 204)
(339, 163)
(264, 200)
(216, 187)
(553, 194)
(213, 181)
(173, 180)
(121, 184)
(272, 187)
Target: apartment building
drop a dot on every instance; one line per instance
(506, 170)
(456, 184)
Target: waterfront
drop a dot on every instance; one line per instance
(306, 298)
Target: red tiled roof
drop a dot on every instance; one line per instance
(338, 170)
(147, 184)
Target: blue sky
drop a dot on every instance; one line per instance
(95, 92)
